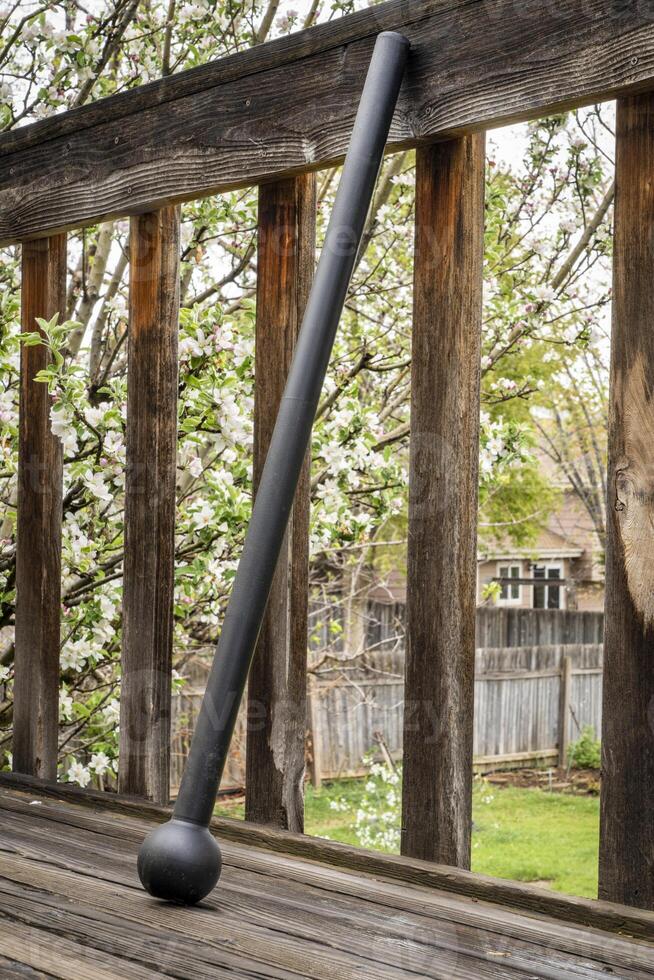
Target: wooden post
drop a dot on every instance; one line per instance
(150, 505)
(275, 756)
(564, 710)
(38, 555)
(441, 585)
(627, 799)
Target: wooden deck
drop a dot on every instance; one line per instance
(71, 907)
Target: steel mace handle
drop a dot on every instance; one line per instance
(180, 861)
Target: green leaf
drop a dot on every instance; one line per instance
(31, 339)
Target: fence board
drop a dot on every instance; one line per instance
(150, 505)
(38, 554)
(263, 114)
(278, 677)
(627, 819)
(565, 691)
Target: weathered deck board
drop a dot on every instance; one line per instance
(605, 916)
(288, 105)
(71, 906)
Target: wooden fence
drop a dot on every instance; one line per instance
(523, 697)
(495, 627)
(530, 701)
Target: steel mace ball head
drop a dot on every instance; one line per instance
(179, 862)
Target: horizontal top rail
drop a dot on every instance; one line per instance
(288, 106)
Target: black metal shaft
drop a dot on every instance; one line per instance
(291, 434)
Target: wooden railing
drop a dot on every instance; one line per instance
(261, 117)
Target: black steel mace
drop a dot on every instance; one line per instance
(180, 861)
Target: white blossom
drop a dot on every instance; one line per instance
(61, 424)
(95, 414)
(114, 444)
(77, 773)
(544, 293)
(111, 712)
(65, 705)
(107, 607)
(195, 466)
(75, 654)
(203, 516)
(100, 763)
(495, 445)
(95, 483)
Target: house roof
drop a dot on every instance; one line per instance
(549, 544)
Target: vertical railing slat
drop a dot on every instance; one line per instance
(38, 555)
(627, 798)
(150, 505)
(277, 682)
(441, 584)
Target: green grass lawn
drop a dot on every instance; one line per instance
(533, 835)
(521, 834)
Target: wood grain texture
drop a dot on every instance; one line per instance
(443, 477)
(277, 707)
(288, 106)
(149, 564)
(118, 816)
(627, 800)
(70, 900)
(38, 554)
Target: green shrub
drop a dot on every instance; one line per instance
(585, 752)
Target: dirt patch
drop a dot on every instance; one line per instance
(576, 782)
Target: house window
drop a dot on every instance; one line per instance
(509, 591)
(548, 595)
